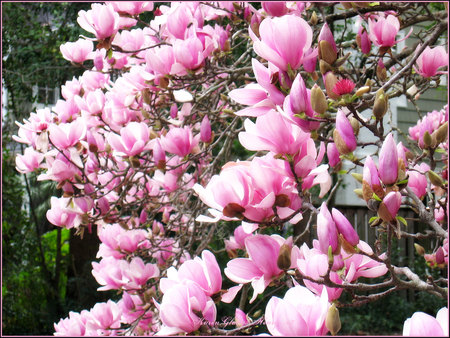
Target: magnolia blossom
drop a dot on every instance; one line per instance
(178, 306)
(266, 135)
(78, 51)
(261, 266)
(101, 21)
(283, 41)
(424, 325)
(299, 313)
(382, 31)
(430, 60)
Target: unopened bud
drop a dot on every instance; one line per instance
(427, 140)
(135, 163)
(314, 19)
(355, 125)
(361, 91)
(441, 134)
(435, 179)
(318, 100)
(384, 213)
(440, 256)
(330, 82)
(420, 250)
(381, 73)
(340, 143)
(339, 62)
(326, 52)
(284, 257)
(163, 82)
(359, 193)
(78, 178)
(146, 96)
(333, 322)
(325, 67)
(380, 105)
(358, 177)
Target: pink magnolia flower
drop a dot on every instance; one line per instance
(283, 41)
(313, 263)
(205, 130)
(191, 53)
(370, 173)
(73, 326)
(261, 266)
(299, 102)
(275, 8)
(364, 266)
(333, 154)
(423, 325)
(344, 227)
(228, 194)
(363, 40)
(29, 161)
(266, 134)
(393, 201)
(178, 305)
(327, 231)
(204, 271)
(326, 35)
(78, 51)
(179, 141)
(104, 316)
(382, 31)
(388, 161)
(345, 131)
(138, 273)
(299, 313)
(237, 241)
(134, 139)
(178, 21)
(132, 7)
(109, 273)
(160, 60)
(101, 20)
(430, 60)
(417, 181)
(60, 215)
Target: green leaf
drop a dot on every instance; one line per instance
(377, 198)
(440, 151)
(402, 182)
(342, 172)
(372, 219)
(401, 219)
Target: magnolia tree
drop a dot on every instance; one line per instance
(141, 144)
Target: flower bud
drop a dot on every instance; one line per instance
(427, 140)
(205, 130)
(435, 179)
(344, 227)
(381, 71)
(318, 100)
(380, 105)
(441, 134)
(358, 177)
(333, 322)
(330, 81)
(284, 257)
(355, 125)
(358, 193)
(388, 161)
(420, 250)
(389, 207)
(324, 67)
(343, 135)
(314, 19)
(361, 91)
(440, 256)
